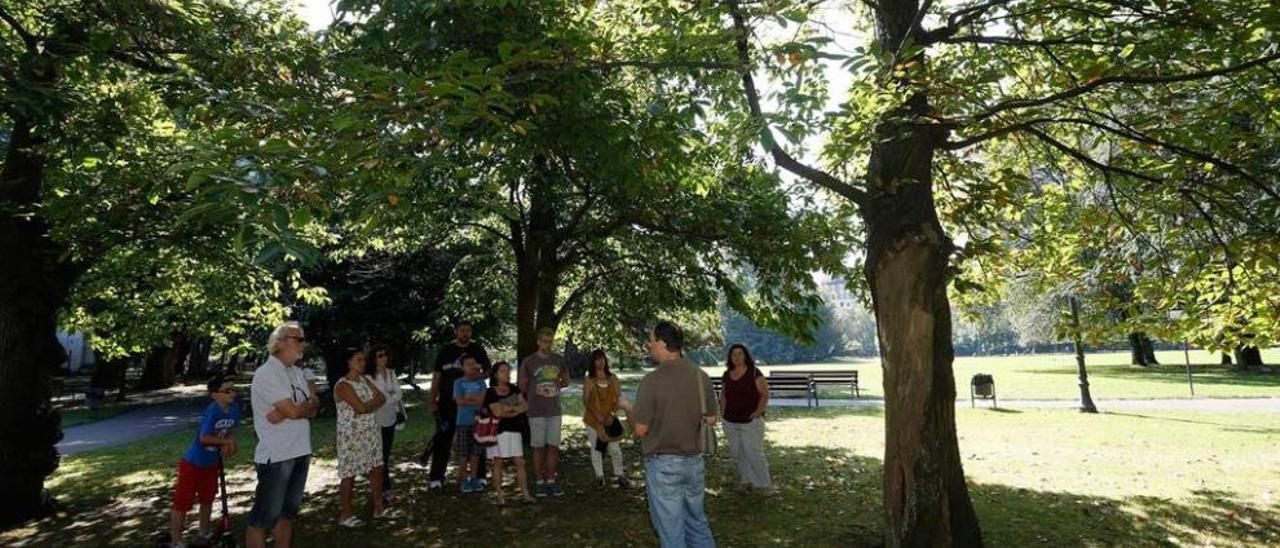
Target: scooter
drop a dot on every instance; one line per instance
(224, 536)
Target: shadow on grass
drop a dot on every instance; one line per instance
(822, 497)
(1224, 426)
(1203, 374)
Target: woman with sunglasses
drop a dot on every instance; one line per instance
(391, 415)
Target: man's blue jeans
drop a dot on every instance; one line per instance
(674, 485)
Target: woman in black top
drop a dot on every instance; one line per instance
(505, 402)
(744, 396)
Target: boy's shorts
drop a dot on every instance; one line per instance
(194, 483)
(465, 445)
(545, 431)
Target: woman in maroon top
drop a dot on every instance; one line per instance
(743, 400)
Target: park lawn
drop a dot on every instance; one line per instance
(77, 416)
(1056, 478)
(1054, 377)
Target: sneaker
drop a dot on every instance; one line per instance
(623, 482)
(540, 491)
(601, 482)
(387, 513)
(435, 485)
(554, 489)
(482, 483)
(351, 522)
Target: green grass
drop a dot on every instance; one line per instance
(1054, 376)
(1055, 478)
(77, 416)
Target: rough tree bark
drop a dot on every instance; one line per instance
(161, 370)
(907, 268)
(198, 367)
(926, 499)
(34, 282)
(537, 269)
(1141, 350)
(527, 290)
(1248, 356)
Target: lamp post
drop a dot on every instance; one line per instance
(1176, 315)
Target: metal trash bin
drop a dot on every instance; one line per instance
(982, 386)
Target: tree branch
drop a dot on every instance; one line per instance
(1012, 41)
(1213, 228)
(1098, 83)
(487, 228)
(28, 39)
(1085, 159)
(587, 284)
(780, 156)
(145, 65)
(663, 65)
(995, 133)
(1125, 131)
(958, 19)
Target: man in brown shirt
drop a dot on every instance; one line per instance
(667, 416)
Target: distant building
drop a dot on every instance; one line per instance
(836, 294)
(78, 351)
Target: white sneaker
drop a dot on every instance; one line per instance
(433, 485)
(351, 522)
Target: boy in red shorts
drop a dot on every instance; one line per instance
(199, 467)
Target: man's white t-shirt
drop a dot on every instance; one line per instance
(290, 438)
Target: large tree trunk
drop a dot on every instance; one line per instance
(161, 370)
(34, 282)
(526, 305)
(926, 499)
(533, 250)
(198, 367)
(1248, 356)
(1141, 350)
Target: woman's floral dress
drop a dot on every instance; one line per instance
(359, 440)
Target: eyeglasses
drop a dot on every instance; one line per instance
(299, 339)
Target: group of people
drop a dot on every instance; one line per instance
(483, 420)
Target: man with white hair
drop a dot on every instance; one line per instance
(283, 403)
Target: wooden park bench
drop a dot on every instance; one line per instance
(782, 384)
(847, 378)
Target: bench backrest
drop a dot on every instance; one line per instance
(843, 376)
(789, 382)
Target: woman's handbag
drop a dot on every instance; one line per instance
(401, 416)
(706, 432)
(486, 430)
